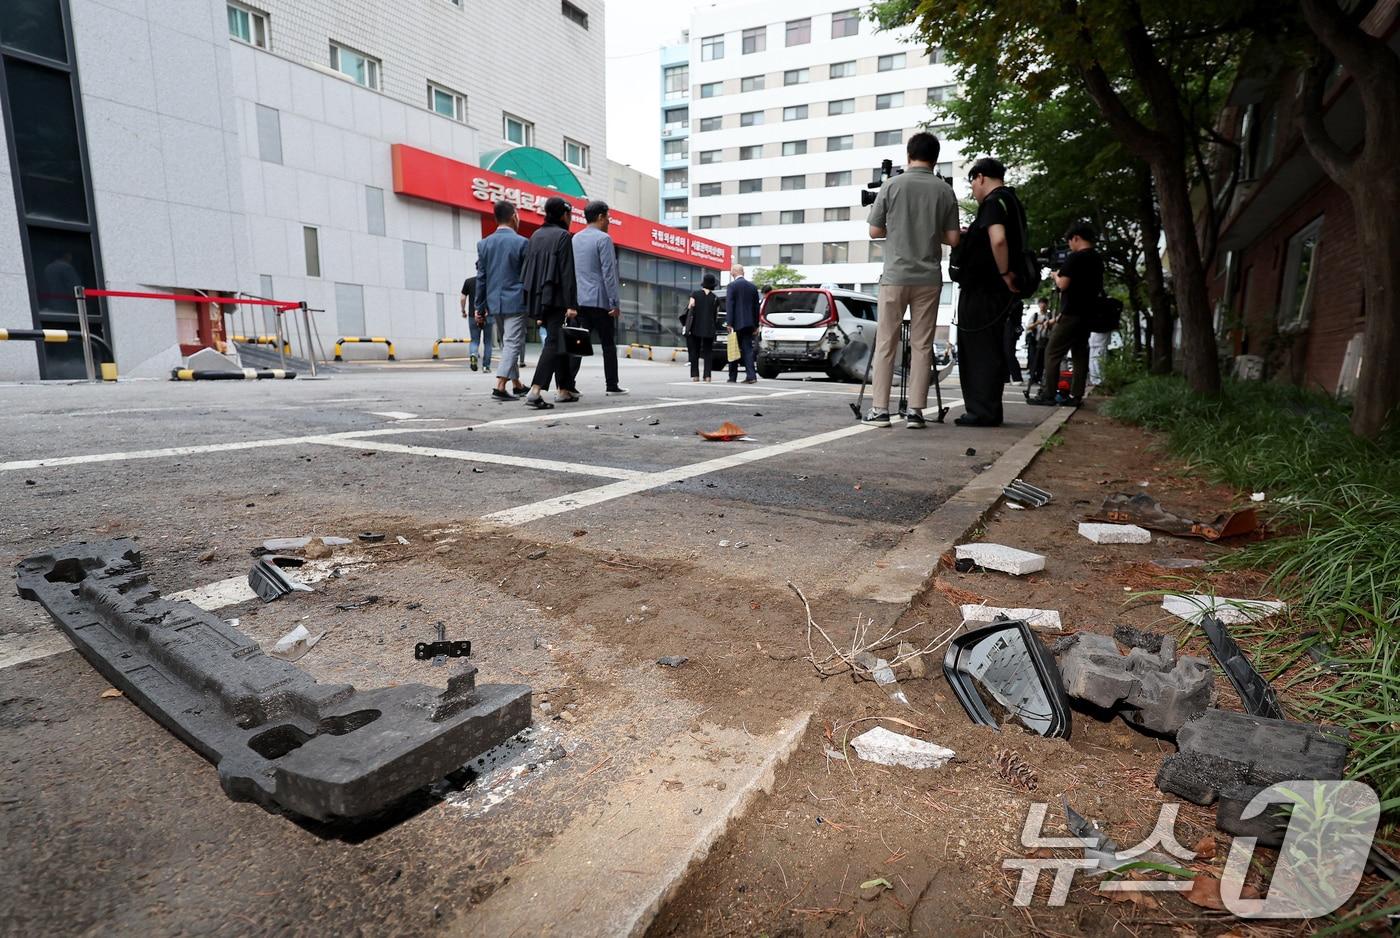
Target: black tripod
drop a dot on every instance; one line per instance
(904, 359)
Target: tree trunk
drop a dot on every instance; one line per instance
(1160, 323)
(1378, 238)
(1188, 275)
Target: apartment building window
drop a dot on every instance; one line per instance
(708, 189)
(883, 102)
(888, 138)
(799, 32)
(792, 216)
(797, 76)
(1299, 278)
(750, 219)
(576, 154)
(574, 14)
(936, 56)
(750, 185)
(790, 254)
(843, 69)
(754, 152)
(676, 79)
(755, 40)
(843, 106)
(840, 213)
(447, 103)
(675, 178)
(247, 25)
(750, 118)
(835, 252)
(675, 118)
(311, 242)
(877, 251)
(751, 83)
(708, 124)
(790, 183)
(358, 67)
(889, 63)
(712, 89)
(517, 130)
(675, 150)
(941, 93)
(707, 156)
(707, 221)
(794, 147)
(842, 178)
(844, 142)
(797, 112)
(711, 48)
(677, 208)
(749, 254)
(845, 23)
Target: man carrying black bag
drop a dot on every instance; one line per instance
(1080, 281)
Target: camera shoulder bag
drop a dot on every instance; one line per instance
(1021, 260)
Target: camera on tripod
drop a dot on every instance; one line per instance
(887, 170)
(1054, 256)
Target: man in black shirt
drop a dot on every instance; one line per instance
(1080, 281)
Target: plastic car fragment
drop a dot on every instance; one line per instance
(1004, 666)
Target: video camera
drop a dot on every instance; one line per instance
(886, 171)
(1054, 256)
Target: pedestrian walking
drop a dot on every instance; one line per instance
(741, 310)
(1080, 282)
(700, 320)
(479, 341)
(500, 295)
(599, 306)
(1036, 332)
(551, 299)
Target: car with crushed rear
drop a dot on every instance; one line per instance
(816, 329)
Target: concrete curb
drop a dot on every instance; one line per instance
(904, 571)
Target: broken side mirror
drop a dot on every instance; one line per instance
(1002, 669)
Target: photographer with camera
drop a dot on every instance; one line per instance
(1080, 282)
(916, 213)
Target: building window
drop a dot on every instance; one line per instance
(712, 89)
(374, 210)
(797, 76)
(794, 147)
(844, 106)
(750, 185)
(797, 112)
(675, 118)
(799, 32)
(845, 142)
(877, 251)
(883, 102)
(1299, 279)
(707, 221)
(311, 242)
(676, 79)
(887, 138)
(790, 254)
(711, 48)
(845, 23)
(755, 40)
(754, 152)
(675, 149)
(677, 208)
(576, 154)
(708, 124)
(936, 56)
(708, 189)
(843, 69)
(835, 252)
(793, 216)
(709, 156)
(888, 63)
(751, 83)
(574, 14)
(358, 67)
(447, 103)
(841, 213)
(517, 130)
(750, 219)
(941, 93)
(749, 254)
(789, 183)
(675, 178)
(842, 178)
(269, 133)
(247, 25)
(750, 118)
(415, 265)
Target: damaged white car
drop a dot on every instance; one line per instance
(816, 329)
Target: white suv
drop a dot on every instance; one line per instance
(816, 329)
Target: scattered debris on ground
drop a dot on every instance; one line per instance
(1008, 662)
(1001, 558)
(1154, 691)
(1194, 607)
(270, 582)
(1255, 693)
(1021, 492)
(1144, 511)
(884, 747)
(672, 661)
(1042, 620)
(295, 644)
(1102, 533)
(727, 433)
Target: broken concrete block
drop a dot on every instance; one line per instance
(1000, 557)
(1227, 758)
(1152, 691)
(1193, 606)
(881, 746)
(1042, 620)
(1114, 533)
(206, 359)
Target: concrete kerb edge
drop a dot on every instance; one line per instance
(905, 570)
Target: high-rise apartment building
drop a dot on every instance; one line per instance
(675, 133)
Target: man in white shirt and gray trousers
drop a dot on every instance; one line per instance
(599, 306)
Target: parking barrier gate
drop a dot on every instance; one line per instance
(353, 339)
(108, 369)
(447, 341)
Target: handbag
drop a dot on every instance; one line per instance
(732, 352)
(576, 341)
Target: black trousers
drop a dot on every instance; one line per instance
(553, 364)
(1035, 362)
(1013, 332)
(700, 347)
(982, 349)
(1072, 336)
(604, 327)
(748, 352)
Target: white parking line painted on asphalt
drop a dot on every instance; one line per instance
(17, 649)
(392, 414)
(522, 462)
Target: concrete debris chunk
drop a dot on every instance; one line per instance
(883, 747)
(1042, 620)
(295, 643)
(1152, 691)
(1193, 607)
(1002, 558)
(1101, 533)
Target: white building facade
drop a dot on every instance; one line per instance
(793, 106)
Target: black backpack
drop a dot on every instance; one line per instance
(1021, 260)
(1107, 314)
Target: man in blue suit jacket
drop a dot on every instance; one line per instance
(501, 295)
(741, 312)
(599, 306)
